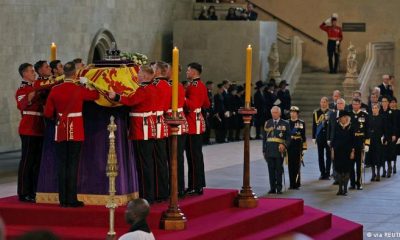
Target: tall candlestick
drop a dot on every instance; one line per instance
(175, 72)
(249, 55)
(53, 52)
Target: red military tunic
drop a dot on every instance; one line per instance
(196, 98)
(334, 32)
(47, 83)
(65, 104)
(163, 101)
(32, 122)
(183, 128)
(142, 103)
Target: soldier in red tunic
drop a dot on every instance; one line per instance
(162, 105)
(30, 130)
(196, 99)
(142, 130)
(335, 37)
(64, 104)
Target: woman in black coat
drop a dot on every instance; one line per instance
(376, 131)
(343, 148)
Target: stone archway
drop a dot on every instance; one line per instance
(101, 42)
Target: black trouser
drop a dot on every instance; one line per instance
(324, 168)
(220, 129)
(294, 161)
(68, 155)
(144, 150)
(332, 53)
(355, 174)
(29, 166)
(275, 171)
(181, 142)
(206, 134)
(194, 155)
(259, 124)
(161, 169)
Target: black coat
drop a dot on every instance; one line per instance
(376, 131)
(260, 105)
(342, 144)
(386, 91)
(286, 101)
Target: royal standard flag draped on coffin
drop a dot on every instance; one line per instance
(122, 80)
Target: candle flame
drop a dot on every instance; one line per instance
(249, 46)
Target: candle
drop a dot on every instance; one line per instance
(175, 72)
(248, 75)
(53, 52)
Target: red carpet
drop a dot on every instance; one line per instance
(211, 216)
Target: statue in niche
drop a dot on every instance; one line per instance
(273, 60)
(352, 63)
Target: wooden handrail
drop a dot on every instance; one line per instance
(313, 39)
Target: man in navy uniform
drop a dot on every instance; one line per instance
(275, 143)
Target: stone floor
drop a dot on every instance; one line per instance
(376, 207)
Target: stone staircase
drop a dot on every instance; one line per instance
(309, 90)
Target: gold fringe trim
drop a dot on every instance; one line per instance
(88, 199)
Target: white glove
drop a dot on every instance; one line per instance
(335, 15)
(329, 143)
(382, 140)
(366, 148)
(83, 80)
(337, 42)
(314, 141)
(398, 141)
(227, 114)
(328, 21)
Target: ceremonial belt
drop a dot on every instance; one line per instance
(145, 114)
(359, 134)
(145, 124)
(297, 137)
(198, 112)
(178, 110)
(77, 114)
(32, 113)
(158, 119)
(275, 140)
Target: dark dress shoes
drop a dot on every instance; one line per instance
(279, 192)
(192, 192)
(271, 191)
(76, 204)
(27, 198)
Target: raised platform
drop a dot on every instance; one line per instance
(211, 216)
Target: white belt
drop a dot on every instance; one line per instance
(145, 114)
(177, 110)
(198, 123)
(77, 114)
(159, 113)
(33, 113)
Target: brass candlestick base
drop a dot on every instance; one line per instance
(173, 218)
(246, 198)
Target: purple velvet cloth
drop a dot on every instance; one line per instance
(92, 177)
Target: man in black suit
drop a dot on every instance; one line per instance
(219, 121)
(260, 105)
(207, 113)
(385, 87)
(251, 14)
(335, 96)
(276, 140)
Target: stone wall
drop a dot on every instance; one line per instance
(220, 46)
(381, 18)
(28, 27)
